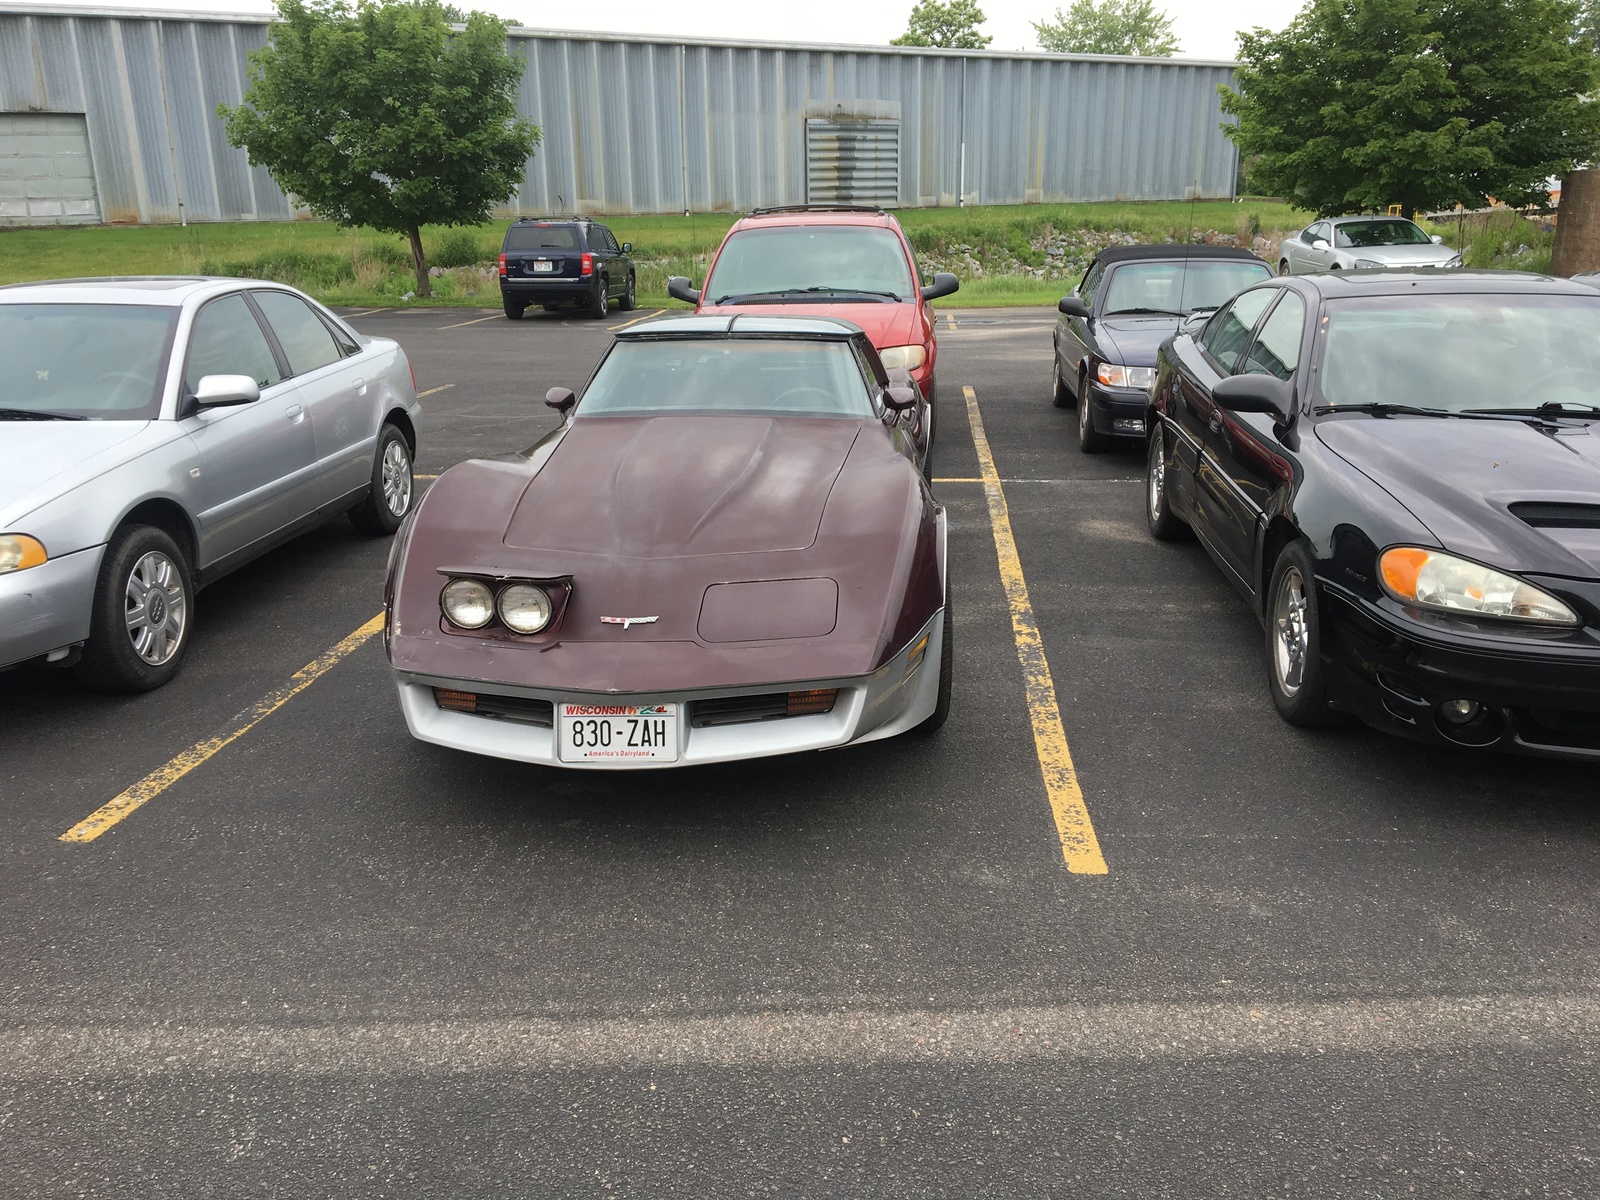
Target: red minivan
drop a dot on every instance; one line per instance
(836, 260)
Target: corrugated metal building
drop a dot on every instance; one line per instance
(110, 115)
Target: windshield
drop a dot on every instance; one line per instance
(1463, 352)
(105, 362)
(823, 259)
(1181, 286)
(541, 237)
(780, 377)
(1394, 231)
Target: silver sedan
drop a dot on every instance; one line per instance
(1362, 243)
(159, 433)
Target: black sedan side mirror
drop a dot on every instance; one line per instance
(899, 399)
(561, 399)
(1256, 394)
(943, 284)
(627, 247)
(1073, 307)
(678, 288)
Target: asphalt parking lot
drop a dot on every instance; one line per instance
(323, 959)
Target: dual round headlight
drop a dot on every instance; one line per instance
(521, 607)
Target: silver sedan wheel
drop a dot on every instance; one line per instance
(156, 608)
(1291, 638)
(397, 478)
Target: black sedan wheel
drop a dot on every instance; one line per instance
(143, 606)
(1090, 439)
(1060, 394)
(1158, 513)
(1295, 668)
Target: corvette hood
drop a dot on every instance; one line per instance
(683, 485)
(45, 458)
(1461, 478)
(885, 324)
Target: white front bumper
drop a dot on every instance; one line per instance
(869, 707)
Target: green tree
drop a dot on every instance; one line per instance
(378, 115)
(1422, 103)
(952, 25)
(1109, 27)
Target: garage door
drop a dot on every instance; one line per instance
(46, 176)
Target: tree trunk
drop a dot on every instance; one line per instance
(1577, 244)
(420, 260)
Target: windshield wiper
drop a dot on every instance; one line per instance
(37, 414)
(742, 297)
(1382, 408)
(1552, 409)
(1144, 312)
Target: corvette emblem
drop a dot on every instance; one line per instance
(627, 621)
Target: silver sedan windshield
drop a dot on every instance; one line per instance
(101, 362)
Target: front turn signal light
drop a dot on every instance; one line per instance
(18, 552)
(1432, 579)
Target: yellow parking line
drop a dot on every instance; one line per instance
(159, 780)
(964, 479)
(1079, 845)
(431, 391)
(635, 321)
(474, 321)
(414, 475)
(369, 312)
(950, 320)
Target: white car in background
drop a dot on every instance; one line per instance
(1362, 243)
(159, 433)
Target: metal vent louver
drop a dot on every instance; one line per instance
(853, 162)
(1557, 516)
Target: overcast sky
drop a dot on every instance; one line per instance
(1205, 28)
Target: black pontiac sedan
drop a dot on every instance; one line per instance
(1401, 472)
(1128, 303)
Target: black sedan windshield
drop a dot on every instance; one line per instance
(684, 375)
(1392, 231)
(1181, 286)
(1463, 353)
(103, 362)
(816, 262)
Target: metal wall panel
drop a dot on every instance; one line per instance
(633, 125)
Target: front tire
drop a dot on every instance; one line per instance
(1296, 673)
(947, 670)
(143, 607)
(1090, 439)
(1060, 395)
(630, 298)
(1158, 514)
(389, 497)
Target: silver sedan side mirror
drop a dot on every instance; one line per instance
(1318, 244)
(220, 391)
(1437, 240)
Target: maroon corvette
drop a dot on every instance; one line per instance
(727, 550)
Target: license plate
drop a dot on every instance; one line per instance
(543, 267)
(617, 732)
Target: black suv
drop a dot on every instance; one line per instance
(564, 260)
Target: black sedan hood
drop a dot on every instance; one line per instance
(1133, 341)
(1462, 477)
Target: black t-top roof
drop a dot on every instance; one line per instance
(1169, 251)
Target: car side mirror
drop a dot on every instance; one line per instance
(1437, 240)
(222, 391)
(1071, 306)
(944, 283)
(561, 399)
(1256, 393)
(1195, 321)
(627, 247)
(1319, 244)
(678, 288)
(898, 398)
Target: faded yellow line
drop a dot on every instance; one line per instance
(369, 312)
(474, 321)
(1079, 845)
(432, 391)
(635, 321)
(963, 479)
(950, 320)
(159, 780)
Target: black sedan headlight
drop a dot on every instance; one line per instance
(1445, 583)
(1117, 375)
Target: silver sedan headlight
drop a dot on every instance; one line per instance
(1455, 261)
(1369, 264)
(18, 552)
(525, 608)
(467, 603)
